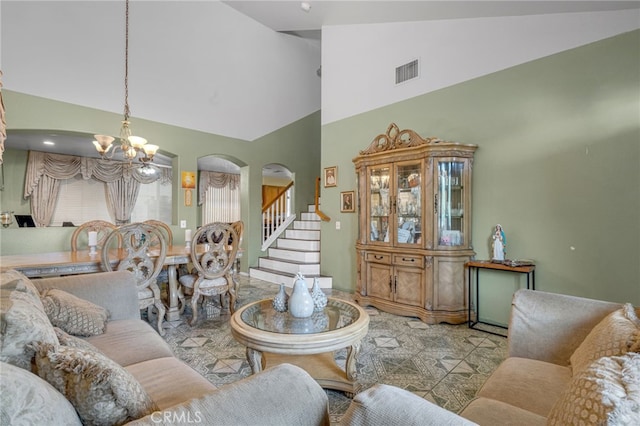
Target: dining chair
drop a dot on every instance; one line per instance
(213, 260)
(135, 256)
(80, 237)
(163, 276)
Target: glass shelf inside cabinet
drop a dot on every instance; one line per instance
(379, 204)
(409, 204)
(451, 203)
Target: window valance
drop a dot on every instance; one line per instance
(215, 180)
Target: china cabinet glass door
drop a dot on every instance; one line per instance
(450, 203)
(408, 203)
(380, 203)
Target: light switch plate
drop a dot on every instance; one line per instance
(183, 224)
(338, 225)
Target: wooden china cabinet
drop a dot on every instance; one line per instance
(414, 204)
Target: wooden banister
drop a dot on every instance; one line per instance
(318, 211)
(281, 192)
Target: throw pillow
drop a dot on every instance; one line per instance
(102, 392)
(74, 315)
(26, 399)
(615, 335)
(23, 320)
(605, 393)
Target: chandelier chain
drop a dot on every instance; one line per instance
(127, 112)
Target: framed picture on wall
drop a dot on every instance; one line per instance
(347, 201)
(330, 176)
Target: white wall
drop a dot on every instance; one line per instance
(200, 65)
(359, 61)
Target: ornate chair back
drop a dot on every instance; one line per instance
(139, 256)
(80, 237)
(164, 228)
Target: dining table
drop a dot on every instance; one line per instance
(35, 265)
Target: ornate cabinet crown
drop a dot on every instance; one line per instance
(414, 225)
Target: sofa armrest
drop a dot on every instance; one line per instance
(279, 396)
(549, 327)
(115, 291)
(386, 405)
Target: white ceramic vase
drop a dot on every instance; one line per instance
(300, 301)
(281, 300)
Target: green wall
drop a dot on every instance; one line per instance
(296, 146)
(558, 166)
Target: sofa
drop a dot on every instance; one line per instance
(570, 360)
(74, 350)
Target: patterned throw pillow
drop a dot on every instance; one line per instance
(605, 393)
(74, 315)
(26, 399)
(23, 320)
(616, 334)
(66, 339)
(102, 392)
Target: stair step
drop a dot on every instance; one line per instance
(302, 234)
(312, 225)
(295, 255)
(310, 216)
(294, 244)
(289, 266)
(288, 279)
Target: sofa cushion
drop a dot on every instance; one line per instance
(131, 341)
(378, 406)
(74, 315)
(605, 393)
(169, 381)
(26, 399)
(527, 383)
(101, 391)
(614, 335)
(485, 411)
(23, 320)
(66, 339)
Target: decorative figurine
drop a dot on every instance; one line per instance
(318, 296)
(300, 301)
(499, 244)
(281, 301)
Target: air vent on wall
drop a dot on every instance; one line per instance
(407, 71)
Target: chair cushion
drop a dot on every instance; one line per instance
(23, 320)
(616, 334)
(485, 411)
(101, 391)
(74, 315)
(189, 281)
(607, 392)
(26, 399)
(527, 383)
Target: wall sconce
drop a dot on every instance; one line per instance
(6, 218)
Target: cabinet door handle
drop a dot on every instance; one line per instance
(391, 284)
(404, 259)
(435, 204)
(395, 285)
(378, 257)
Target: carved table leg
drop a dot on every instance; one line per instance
(173, 310)
(350, 366)
(254, 358)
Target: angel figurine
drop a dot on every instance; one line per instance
(499, 244)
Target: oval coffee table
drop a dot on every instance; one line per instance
(273, 338)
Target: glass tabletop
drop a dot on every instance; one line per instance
(337, 314)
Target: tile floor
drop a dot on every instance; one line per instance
(445, 364)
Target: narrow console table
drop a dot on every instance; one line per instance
(477, 265)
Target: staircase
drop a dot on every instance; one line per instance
(298, 250)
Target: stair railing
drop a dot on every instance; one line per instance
(320, 214)
(276, 216)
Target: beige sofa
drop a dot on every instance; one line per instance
(177, 393)
(570, 360)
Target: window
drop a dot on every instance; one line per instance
(82, 200)
(221, 205)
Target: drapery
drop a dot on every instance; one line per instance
(3, 123)
(122, 182)
(215, 180)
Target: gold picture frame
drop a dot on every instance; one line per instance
(331, 176)
(348, 202)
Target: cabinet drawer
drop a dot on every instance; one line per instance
(408, 260)
(379, 258)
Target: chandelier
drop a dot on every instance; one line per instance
(131, 146)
